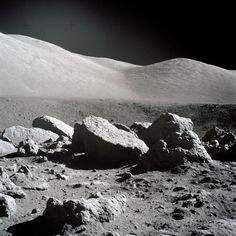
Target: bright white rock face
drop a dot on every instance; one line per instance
(18, 133)
(6, 148)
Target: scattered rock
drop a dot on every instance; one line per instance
(7, 205)
(53, 124)
(28, 148)
(124, 177)
(221, 145)
(172, 142)
(84, 211)
(41, 159)
(104, 142)
(7, 187)
(61, 176)
(6, 148)
(179, 188)
(12, 167)
(211, 146)
(27, 180)
(178, 214)
(213, 134)
(140, 127)
(19, 133)
(58, 148)
(225, 153)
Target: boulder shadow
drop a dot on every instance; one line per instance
(81, 161)
(36, 227)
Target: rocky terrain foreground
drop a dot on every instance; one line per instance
(101, 177)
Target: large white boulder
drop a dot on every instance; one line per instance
(102, 141)
(19, 133)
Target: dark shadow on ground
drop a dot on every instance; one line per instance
(81, 161)
(36, 227)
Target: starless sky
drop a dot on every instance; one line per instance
(138, 32)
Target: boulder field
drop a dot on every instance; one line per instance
(167, 144)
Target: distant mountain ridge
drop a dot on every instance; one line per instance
(34, 68)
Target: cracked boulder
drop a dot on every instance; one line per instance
(172, 142)
(102, 141)
(53, 124)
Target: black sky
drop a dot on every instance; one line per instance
(139, 32)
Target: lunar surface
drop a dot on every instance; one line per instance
(75, 150)
(33, 68)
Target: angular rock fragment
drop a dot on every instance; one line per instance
(7, 205)
(6, 148)
(28, 148)
(102, 141)
(165, 125)
(53, 124)
(172, 142)
(7, 187)
(19, 133)
(84, 211)
(27, 180)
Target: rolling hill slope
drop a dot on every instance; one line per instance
(34, 68)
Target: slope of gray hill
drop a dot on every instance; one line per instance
(34, 68)
(185, 81)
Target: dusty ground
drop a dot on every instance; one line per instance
(196, 199)
(22, 111)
